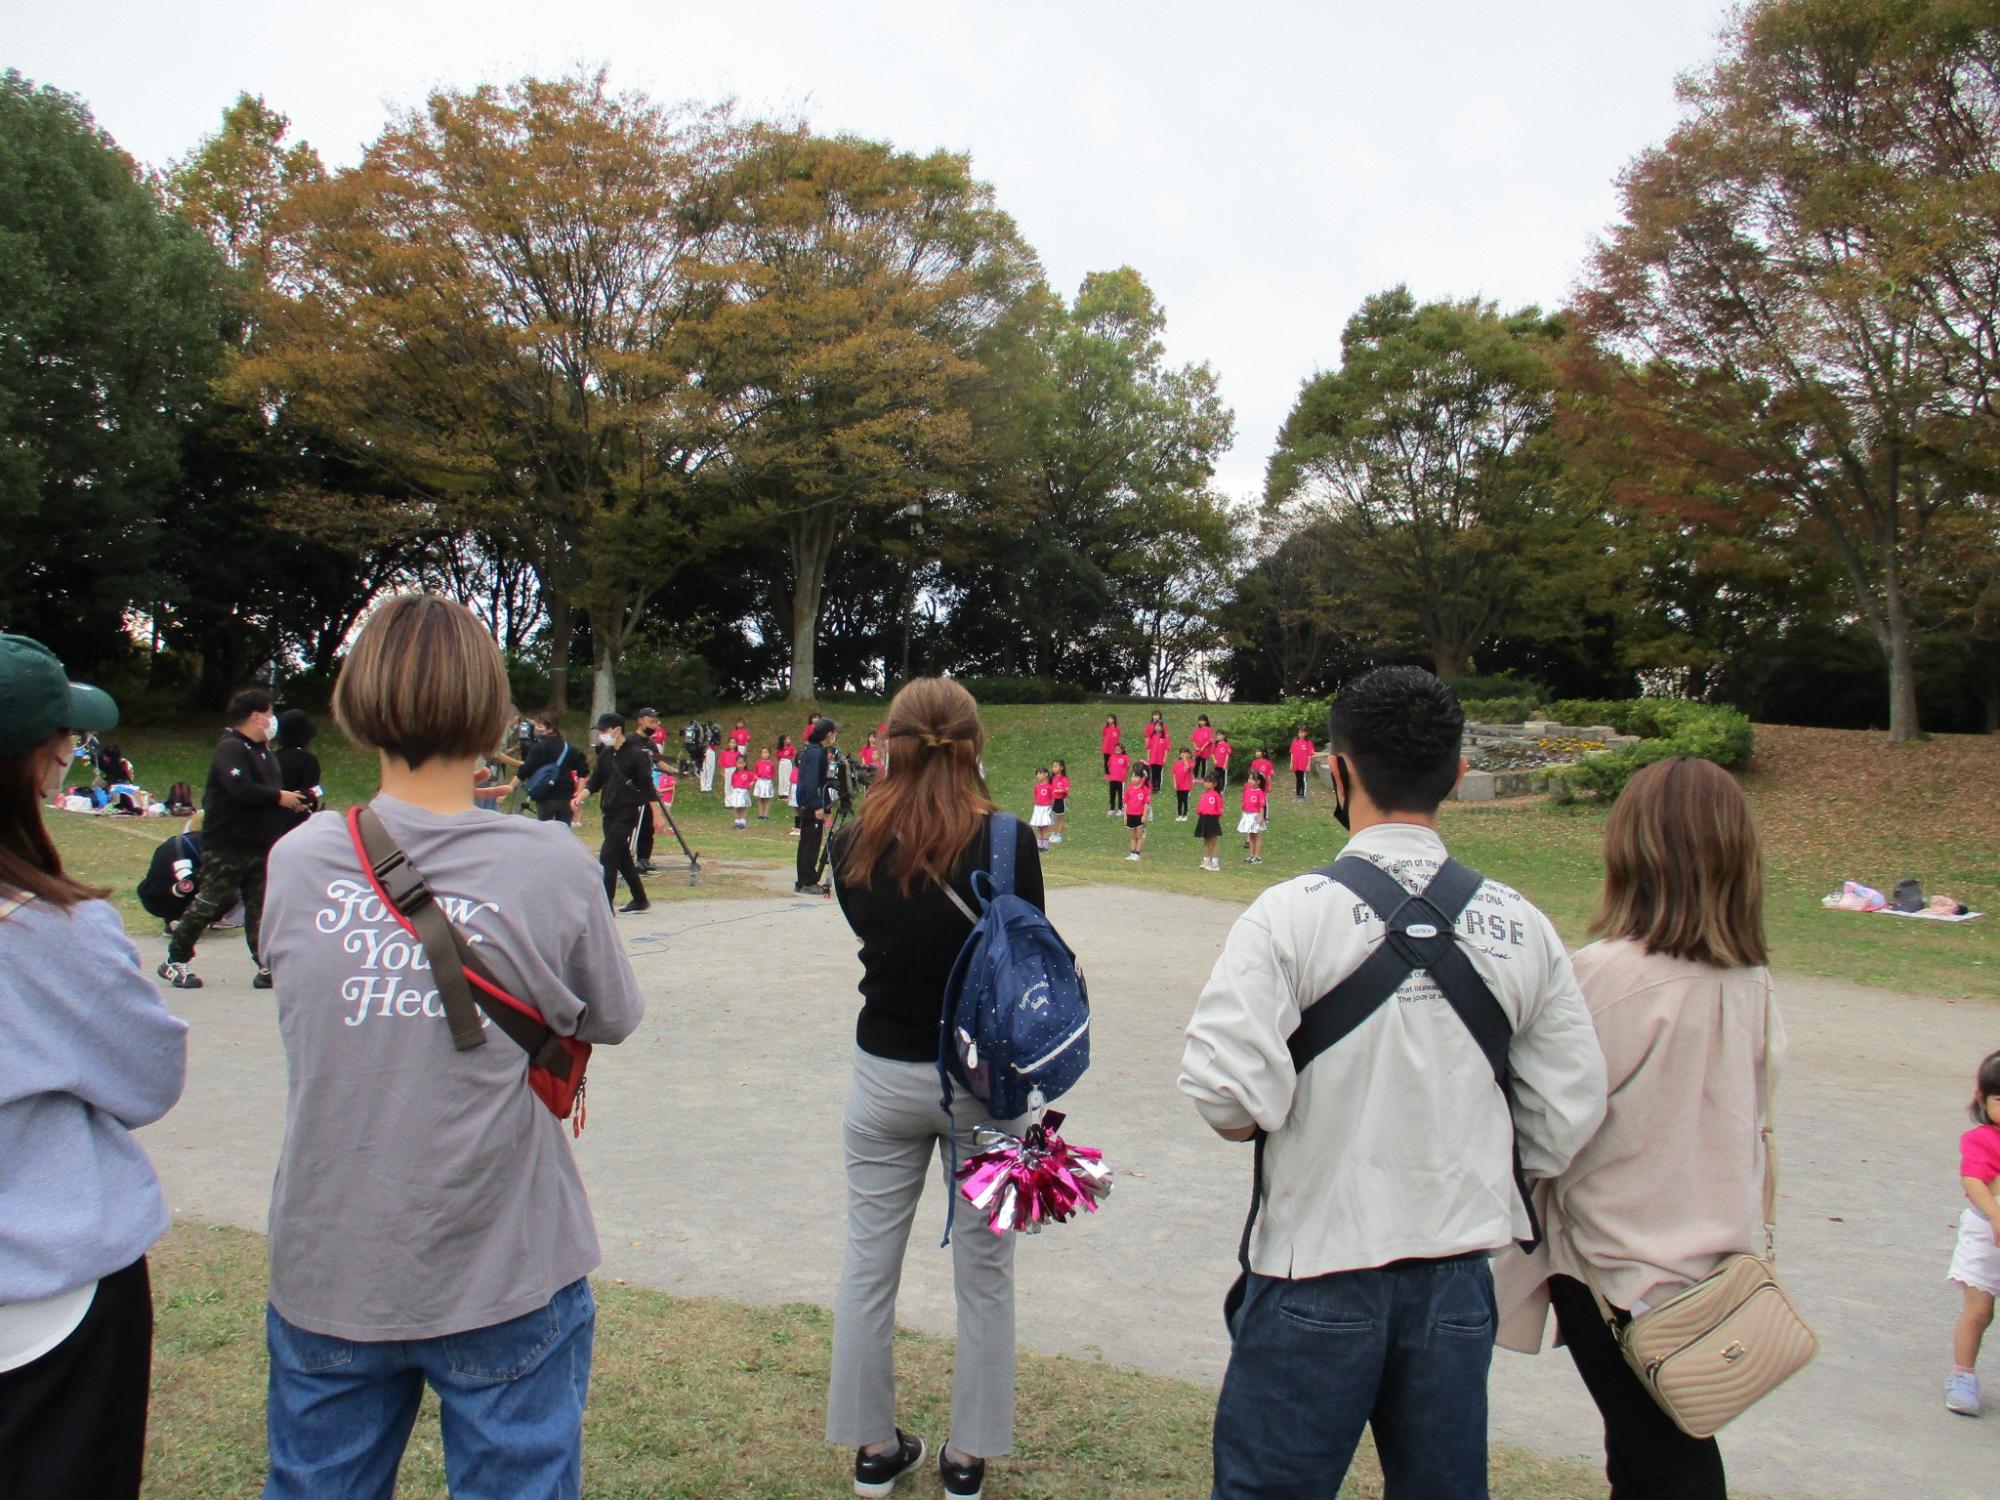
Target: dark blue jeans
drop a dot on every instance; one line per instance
(510, 1404)
(1402, 1348)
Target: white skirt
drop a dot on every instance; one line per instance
(708, 771)
(786, 780)
(764, 790)
(736, 796)
(1976, 1260)
(1041, 817)
(1250, 823)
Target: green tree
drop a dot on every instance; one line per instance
(863, 282)
(494, 309)
(110, 327)
(1428, 457)
(1800, 302)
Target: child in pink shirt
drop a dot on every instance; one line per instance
(1117, 767)
(1218, 754)
(1975, 1264)
(764, 783)
(1043, 817)
(1208, 821)
(1202, 738)
(740, 782)
(1251, 824)
(1138, 796)
(1302, 759)
(1059, 789)
(1183, 784)
(1260, 765)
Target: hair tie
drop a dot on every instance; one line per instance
(939, 741)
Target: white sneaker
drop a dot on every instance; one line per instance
(1131, 856)
(1961, 1393)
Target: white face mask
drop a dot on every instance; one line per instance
(608, 740)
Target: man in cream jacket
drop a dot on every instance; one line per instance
(1389, 1161)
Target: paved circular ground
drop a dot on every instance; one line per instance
(713, 1160)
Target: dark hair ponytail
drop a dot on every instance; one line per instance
(1985, 1085)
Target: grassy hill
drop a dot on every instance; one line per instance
(1832, 804)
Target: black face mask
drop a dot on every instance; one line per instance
(1340, 815)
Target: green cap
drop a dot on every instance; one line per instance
(37, 698)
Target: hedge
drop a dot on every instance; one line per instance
(1272, 727)
(1666, 726)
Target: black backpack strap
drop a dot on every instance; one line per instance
(1420, 935)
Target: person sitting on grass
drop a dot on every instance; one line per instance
(428, 1225)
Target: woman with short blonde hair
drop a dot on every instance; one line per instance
(1672, 1183)
(428, 1225)
(925, 827)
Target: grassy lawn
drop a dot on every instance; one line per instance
(704, 1399)
(1833, 805)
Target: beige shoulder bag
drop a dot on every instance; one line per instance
(1711, 1353)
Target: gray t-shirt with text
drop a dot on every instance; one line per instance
(422, 1190)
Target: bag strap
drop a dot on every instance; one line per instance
(1405, 948)
(466, 986)
(1002, 833)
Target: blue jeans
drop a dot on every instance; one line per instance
(510, 1402)
(1403, 1348)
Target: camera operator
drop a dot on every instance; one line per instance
(624, 778)
(815, 798)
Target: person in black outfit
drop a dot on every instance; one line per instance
(624, 779)
(925, 826)
(549, 748)
(815, 803)
(245, 809)
(298, 767)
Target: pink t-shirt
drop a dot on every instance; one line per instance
(741, 777)
(869, 755)
(1183, 775)
(1119, 769)
(1045, 793)
(1262, 767)
(1302, 754)
(1137, 795)
(765, 770)
(1979, 1153)
(1059, 786)
(1210, 804)
(1201, 739)
(1109, 740)
(728, 758)
(1253, 799)
(667, 787)
(740, 738)
(1156, 749)
(1221, 752)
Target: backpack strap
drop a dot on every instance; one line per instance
(1003, 832)
(1421, 935)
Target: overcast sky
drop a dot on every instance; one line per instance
(1264, 166)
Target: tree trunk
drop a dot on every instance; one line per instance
(604, 678)
(1903, 722)
(805, 623)
(1447, 660)
(810, 538)
(561, 626)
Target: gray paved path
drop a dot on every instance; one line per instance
(713, 1161)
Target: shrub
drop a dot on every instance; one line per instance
(1022, 690)
(1500, 710)
(1667, 727)
(674, 682)
(1272, 725)
(1472, 687)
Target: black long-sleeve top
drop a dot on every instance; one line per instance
(908, 944)
(239, 806)
(625, 777)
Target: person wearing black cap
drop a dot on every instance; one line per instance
(245, 809)
(88, 1054)
(624, 778)
(298, 767)
(814, 801)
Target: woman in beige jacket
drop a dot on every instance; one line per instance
(1673, 1180)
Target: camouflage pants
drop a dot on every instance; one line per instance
(226, 878)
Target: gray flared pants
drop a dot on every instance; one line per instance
(893, 1129)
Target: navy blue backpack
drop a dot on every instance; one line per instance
(1015, 1032)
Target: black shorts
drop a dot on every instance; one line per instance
(1208, 826)
(1059, 807)
(1135, 820)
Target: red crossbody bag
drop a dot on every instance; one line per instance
(465, 985)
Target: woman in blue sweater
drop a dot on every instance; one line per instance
(88, 1053)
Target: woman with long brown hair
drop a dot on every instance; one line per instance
(88, 1054)
(1672, 1182)
(925, 827)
